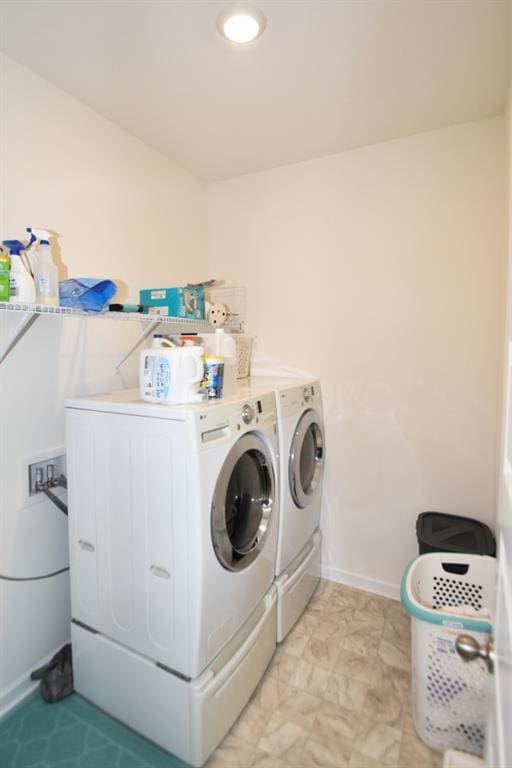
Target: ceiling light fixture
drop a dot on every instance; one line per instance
(241, 23)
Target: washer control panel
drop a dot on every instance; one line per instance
(248, 413)
(220, 421)
(256, 412)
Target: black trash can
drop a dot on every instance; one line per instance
(439, 532)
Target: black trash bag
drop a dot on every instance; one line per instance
(56, 677)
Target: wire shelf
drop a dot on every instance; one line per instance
(41, 309)
(178, 325)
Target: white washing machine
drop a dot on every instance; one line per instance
(173, 540)
(302, 452)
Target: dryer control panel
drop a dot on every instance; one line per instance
(308, 393)
(296, 399)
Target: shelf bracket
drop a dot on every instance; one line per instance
(148, 330)
(26, 320)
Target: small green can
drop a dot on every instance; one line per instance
(5, 264)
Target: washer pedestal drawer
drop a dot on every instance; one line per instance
(186, 717)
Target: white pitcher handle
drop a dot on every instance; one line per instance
(199, 369)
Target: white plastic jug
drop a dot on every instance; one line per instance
(221, 344)
(170, 374)
(225, 347)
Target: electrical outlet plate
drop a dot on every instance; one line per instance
(57, 457)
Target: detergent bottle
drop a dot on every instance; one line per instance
(170, 374)
(45, 270)
(21, 284)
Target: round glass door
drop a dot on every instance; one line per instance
(306, 459)
(242, 503)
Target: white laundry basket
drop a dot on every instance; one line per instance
(449, 694)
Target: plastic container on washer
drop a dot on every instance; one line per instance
(169, 374)
(225, 348)
(448, 594)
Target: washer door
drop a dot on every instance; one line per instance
(306, 459)
(243, 503)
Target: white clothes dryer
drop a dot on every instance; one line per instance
(302, 453)
(173, 541)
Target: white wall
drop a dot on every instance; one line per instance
(380, 270)
(124, 212)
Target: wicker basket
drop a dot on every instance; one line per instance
(243, 354)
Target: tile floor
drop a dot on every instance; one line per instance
(336, 694)
(73, 734)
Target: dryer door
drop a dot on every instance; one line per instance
(243, 503)
(306, 464)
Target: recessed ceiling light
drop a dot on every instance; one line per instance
(241, 23)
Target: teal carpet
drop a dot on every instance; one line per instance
(73, 734)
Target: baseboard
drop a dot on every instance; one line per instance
(12, 696)
(21, 688)
(360, 582)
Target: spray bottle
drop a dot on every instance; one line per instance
(21, 284)
(45, 271)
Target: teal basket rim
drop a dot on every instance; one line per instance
(448, 620)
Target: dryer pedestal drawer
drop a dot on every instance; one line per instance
(187, 718)
(296, 585)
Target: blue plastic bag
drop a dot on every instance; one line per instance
(86, 293)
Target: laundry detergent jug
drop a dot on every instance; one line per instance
(170, 374)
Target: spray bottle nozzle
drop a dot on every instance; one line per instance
(15, 246)
(38, 234)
